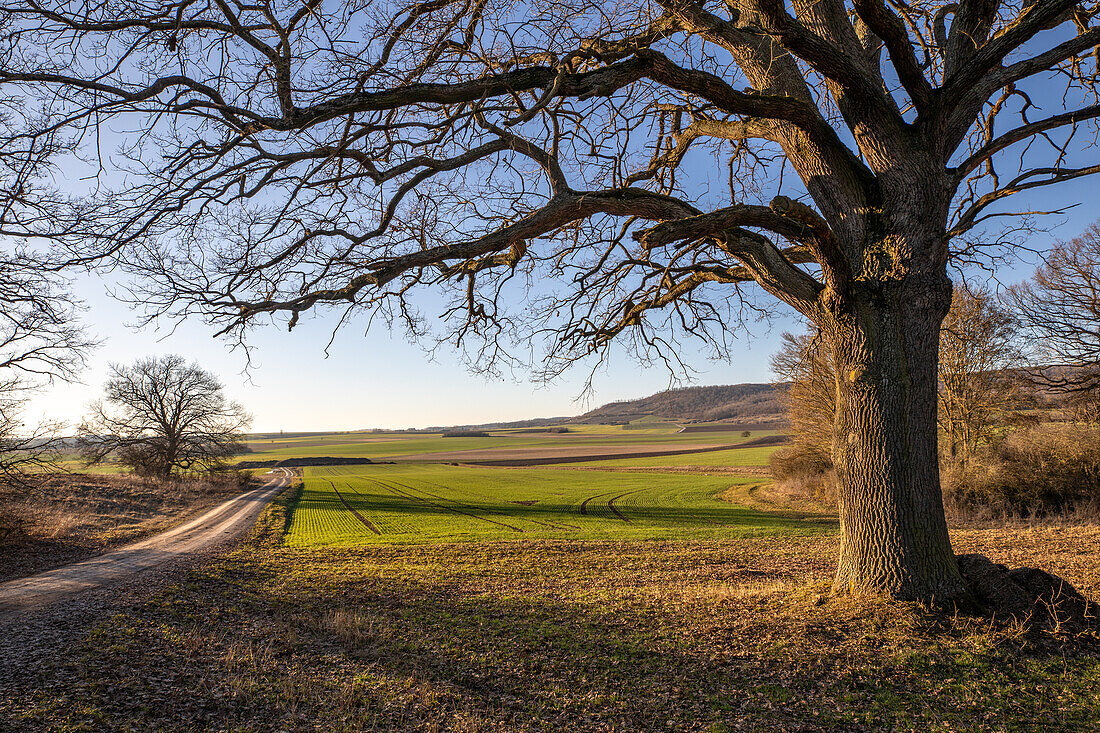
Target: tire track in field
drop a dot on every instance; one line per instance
(584, 504)
(422, 500)
(551, 525)
(615, 509)
(360, 517)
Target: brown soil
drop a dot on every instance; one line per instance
(732, 427)
(561, 635)
(556, 454)
(306, 461)
(574, 455)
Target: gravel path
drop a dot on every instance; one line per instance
(227, 521)
(43, 616)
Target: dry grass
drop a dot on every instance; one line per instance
(65, 517)
(557, 635)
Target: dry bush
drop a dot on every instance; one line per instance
(1053, 468)
(804, 471)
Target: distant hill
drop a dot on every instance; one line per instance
(755, 404)
(739, 403)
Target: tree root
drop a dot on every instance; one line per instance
(1030, 595)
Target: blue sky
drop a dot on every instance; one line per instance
(379, 379)
(368, 380)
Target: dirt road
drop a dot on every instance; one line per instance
(224, 522)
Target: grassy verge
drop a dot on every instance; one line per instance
(715, 635)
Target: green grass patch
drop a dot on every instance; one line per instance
(382, 446)
(351, 505)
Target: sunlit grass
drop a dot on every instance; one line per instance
(427, 503)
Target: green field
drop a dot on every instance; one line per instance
(613, 446)
(386, 446)
(353, 505)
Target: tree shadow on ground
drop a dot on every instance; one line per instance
(561, 636)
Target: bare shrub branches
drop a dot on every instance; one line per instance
(1060, 306)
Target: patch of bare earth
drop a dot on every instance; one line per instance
(561, 635)
(65, 518)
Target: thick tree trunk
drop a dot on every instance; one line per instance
(894, 535)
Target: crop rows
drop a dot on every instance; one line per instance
(424, 503)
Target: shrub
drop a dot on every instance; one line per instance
(1040, 469)
(804, 470)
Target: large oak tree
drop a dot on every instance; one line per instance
(599, 168)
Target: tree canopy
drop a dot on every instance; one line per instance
(286, 157)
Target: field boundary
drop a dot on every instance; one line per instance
(761, 442)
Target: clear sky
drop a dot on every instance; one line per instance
(367, 380)
(381, 380)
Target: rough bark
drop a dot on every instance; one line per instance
(893, 530)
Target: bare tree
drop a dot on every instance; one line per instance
(980, 358)
(41, 338)
(803, 363)
(572, 158)
(1060, 308)
(160, 415)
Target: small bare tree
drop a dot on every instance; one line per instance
(804, 365)
(566, 158)
(161, 415)
(1060, 309)
(980, 359)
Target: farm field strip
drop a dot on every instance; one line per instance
(432, 503)
(435, 447)
(474, 496)
(733, 456)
